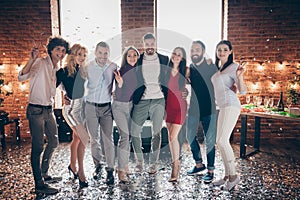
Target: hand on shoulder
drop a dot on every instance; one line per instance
(209, 61)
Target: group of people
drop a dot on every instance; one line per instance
(147, 86)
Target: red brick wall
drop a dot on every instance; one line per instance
(21, 23)
(137, 18)
(267, 32)
(261, 31)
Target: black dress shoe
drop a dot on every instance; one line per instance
(97, 172)
(110, 180)
(52, 179)
(71, 171)
(45, 189)
(83, 184)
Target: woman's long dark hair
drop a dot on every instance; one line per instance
(125, 53)
(182, 68)
(230, 57)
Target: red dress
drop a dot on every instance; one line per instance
(176, 106)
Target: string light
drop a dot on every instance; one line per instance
(18, 68)
(255, 86)
(273, 85)
(23, 87)
(7, 89)
(280, 66)
(260, 67)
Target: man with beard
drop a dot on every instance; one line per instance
(202, 109)
(149, 101)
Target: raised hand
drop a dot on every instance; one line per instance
(209, 61)
(240, 70)
(118, 78)
(239, 74)
(34, 51)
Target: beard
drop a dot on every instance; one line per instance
(196, 58)
(150, 51)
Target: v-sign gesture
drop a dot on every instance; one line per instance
(239, 73)
(118, 78)
(240, 70)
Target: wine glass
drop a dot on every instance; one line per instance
(289, 102)
(266, 102)
(248, 99)
(255, 100)
(271, 102)
(258, 100)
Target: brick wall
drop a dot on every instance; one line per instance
(22, 22)
(137, 18)
(267, 33)
(261, 32)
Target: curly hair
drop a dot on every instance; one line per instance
(57, 41)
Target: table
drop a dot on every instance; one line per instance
(5, 120)
(257, 117)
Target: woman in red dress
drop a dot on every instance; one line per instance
(176, 105)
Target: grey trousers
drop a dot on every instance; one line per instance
(121, 112)
(102, 116)
(155, 109)
(41, 121)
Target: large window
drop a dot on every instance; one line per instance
(91, 21)
(181, 22)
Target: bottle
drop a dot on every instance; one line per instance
(280, 105)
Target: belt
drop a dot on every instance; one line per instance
(98, 104)
(40, 106)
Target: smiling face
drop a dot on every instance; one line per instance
(177, 56)
(223, 52)
(150, 46)
(101, 54)
(197, 53)
(132, 57)
(58, 53)
(80, 57)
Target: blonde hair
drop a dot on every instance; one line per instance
(71, 62)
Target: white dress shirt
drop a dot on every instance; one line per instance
(99, 82)
(42, 76)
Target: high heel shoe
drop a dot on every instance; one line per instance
(71, 171)
(175, 171)
(83, 184)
